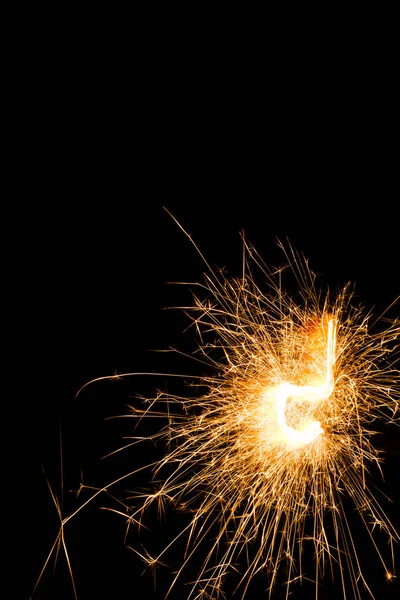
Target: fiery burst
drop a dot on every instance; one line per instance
(266, 460)
(283, 433)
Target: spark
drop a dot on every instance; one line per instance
(263, 460)
(266, 458)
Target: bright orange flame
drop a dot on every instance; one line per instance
(280, 434)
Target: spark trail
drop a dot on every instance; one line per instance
(283, 433)
(265, 460)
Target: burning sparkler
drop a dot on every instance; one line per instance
(281, 435)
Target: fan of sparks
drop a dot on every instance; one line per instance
(281, 437)
(276, 443)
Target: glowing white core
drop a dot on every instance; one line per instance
(310, 430)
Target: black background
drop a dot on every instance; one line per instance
(106, 144)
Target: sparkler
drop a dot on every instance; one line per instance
(263, 460)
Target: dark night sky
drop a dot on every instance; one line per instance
(98, 248)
